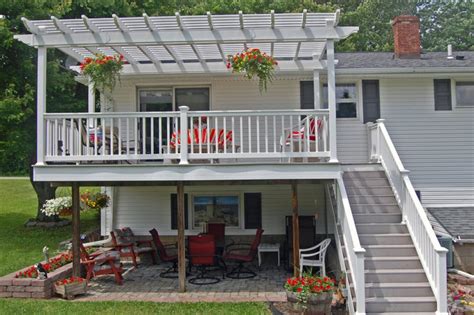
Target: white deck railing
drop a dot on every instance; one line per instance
(354, 252)
(187, 135)
(432, 255)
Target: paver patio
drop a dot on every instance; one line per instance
(145, 284)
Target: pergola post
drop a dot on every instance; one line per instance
(76, 231)
(90, 101)
(296, 228)
(41, 104)
(181, 240)
(331, 100)
(316, 84)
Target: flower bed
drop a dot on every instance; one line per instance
(70, 287)
(310, 294)
(53, 264)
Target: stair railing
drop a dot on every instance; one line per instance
(430, 252)
(354, 252)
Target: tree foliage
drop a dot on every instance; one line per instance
(442, 22)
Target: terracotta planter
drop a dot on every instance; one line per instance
(69, 291)
(315, 303)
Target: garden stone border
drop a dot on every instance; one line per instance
(30, 287)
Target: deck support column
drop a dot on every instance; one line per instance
(76, 231)
(316, 85)
(331, 100)
(41, 104)
(296, 228)
(181, 240)
(91, 101)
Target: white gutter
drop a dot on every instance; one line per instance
(404, 70)
(461, 273)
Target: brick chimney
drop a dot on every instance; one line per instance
(406, 32)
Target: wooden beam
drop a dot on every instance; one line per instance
(296, 228)
(76, 231)
(181, 240)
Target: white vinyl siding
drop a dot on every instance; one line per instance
(144, 208)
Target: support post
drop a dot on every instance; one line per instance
(183, 121)
(331, 100)
(41, 104)
(181, 242)
(316, 85)
(296, 229)
(91, 102)
(76, 231)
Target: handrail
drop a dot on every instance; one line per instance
(432, 254)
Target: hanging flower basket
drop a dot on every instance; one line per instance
(70, 287)
(254, 63)
(103, 71)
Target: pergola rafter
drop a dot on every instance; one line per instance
(182, 44)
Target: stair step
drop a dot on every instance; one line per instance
(372, 200)
(385, 239)
(361, 208)
(379, 190)
(364, 174)
(392, 262)
(378, 218)
(394, 275)
(400, 313)
(400, 304)
(390, 250)
(398, 289)
(381, 228)
(365, 182)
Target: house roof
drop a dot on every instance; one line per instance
(187, 44)
(386, 60)
(457, 221)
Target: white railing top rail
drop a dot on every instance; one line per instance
(411, 190)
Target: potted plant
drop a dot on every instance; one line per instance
(70, 287)
(311, 293)
(57, 206)
(254, 63)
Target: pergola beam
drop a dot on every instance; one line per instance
(119, 24)
(91, 27)
(60, 25)
(303, 22)
(175, 37)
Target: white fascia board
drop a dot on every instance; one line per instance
(178, 37)
(427, 70)
(195, 173)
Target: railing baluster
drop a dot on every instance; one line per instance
(128, 136)
(200, 139)
(282, 145)
(292, 149)
(266, 133)
(96, 137)
(112, 140)
(119, 125)
(241, 135)
(233, 134)
(283, 130)
(143, 135)
(257, 119)
(135, 134)
(216, 122)
(224, 134)
(63, 137)
(160, 134)
(168, 136)
(104, 143)
(152, 135)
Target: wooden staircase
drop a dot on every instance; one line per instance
(394, 277)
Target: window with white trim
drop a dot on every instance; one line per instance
(224, 208)
(465, 94)
(346, 100)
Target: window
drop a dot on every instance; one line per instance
(224, 208)
(194, 98)
(442, 94)
(465, 94)
(346, 100)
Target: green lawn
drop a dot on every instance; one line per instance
(21, 246)
(12, 306)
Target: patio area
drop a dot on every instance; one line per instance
(145, 284)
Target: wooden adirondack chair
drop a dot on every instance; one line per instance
(97, 264)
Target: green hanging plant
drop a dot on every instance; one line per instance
(103, 71)
(254, 63)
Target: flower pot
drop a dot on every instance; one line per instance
(70, 290)
(314, 304)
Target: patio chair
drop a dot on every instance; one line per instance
(240, 271)
(308, 130)
(202, 255)
(314, 256)
(125, 243)
(218, 231)
(171, 272)
(98, 263)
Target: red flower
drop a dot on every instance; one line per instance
(299, 289)
(228, 65)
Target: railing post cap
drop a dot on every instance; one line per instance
(380, 120)
(405, 171)
(184, 108)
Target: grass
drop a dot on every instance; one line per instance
(20, 246)
(12, 306)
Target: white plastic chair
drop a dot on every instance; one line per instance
(315, 256)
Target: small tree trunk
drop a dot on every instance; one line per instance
(44, 191)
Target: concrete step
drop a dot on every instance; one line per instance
(393, 208)
(385, 239)
(384, 190)
(372, 200)
(395, 275)
(400, 304)
(365, 182)
(381, 228)
(364, 174)
(378, 218)
(392, 262)
(390, 250)
(398, 289)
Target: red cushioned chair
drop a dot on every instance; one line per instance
(241, 271)
(171, 272)
(218, 231)
(202, 255)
